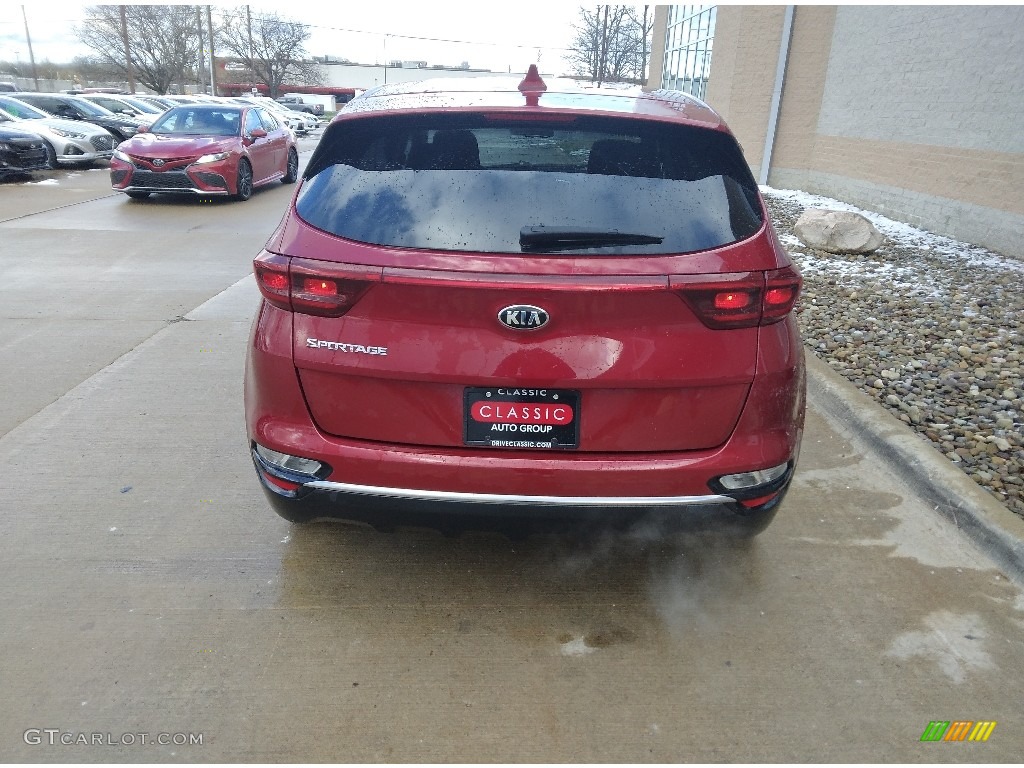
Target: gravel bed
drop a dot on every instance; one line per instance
(929, 327)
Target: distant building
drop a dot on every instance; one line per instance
(344, 78)
(365, 76)
(912, 111)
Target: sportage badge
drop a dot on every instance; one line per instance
(523, 317)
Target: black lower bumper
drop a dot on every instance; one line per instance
(386, 509)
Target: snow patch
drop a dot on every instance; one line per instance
(900, 232)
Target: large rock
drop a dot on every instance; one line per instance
(837, 231)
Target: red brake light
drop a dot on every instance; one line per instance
(275, 282)
(732, 300)
(312, 287)
(317, 287)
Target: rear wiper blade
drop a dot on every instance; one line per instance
(546, 238)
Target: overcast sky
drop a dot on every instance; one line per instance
(487, 35)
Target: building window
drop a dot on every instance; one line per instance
(689, 34)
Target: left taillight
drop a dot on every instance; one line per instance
(312, 287)
(272, 278)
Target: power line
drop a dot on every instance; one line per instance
(415, 37)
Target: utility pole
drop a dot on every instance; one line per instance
(31, 56)
(127, 52)
(252, 69)
(213, 72)
(201, 69)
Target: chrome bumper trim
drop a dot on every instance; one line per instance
(172, 191)
(411, 494)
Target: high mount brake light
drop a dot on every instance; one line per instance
(740, 300)
(311, 287)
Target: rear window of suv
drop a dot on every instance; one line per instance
(495, 184)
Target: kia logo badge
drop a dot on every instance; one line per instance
(523, 317)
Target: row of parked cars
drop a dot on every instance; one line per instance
(53, 130)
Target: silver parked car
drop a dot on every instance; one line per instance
(67, 142)
(126, 105)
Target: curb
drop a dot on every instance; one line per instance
(947, 488)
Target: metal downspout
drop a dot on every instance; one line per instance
(780, 80)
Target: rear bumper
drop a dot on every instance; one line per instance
(385, 508)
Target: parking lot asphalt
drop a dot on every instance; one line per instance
(150, 591)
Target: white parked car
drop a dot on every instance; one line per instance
(309, 122)
(67, 142)
(294, 120)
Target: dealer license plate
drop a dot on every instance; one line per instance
(522, 417)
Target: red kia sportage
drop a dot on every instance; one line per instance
(501, 300)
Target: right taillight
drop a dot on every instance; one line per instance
(312, 287)
(781, 290)
(739, 300)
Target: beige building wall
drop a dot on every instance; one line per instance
(657, 65)
(913, 111)
(743, 72)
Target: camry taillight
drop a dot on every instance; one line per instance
(739, 300)
(312, 287)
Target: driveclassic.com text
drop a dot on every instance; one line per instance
(55, 736)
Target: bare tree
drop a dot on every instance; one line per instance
(642, 28)
(274, 49)
(92, 69)
(585, 53)
(163, 39)
(612, 43)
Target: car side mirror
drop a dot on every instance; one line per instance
(142, 129)
(256, 133)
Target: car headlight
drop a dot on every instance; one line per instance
(122, 156)
(129, 130)
(67, 134)
(213, 158)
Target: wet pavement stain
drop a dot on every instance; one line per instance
(609, 636)
(955, 643)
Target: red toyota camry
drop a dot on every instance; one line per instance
(509, 300)
(202, 149)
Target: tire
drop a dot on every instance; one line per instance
(51, 155)
(243, 183)
(292, 170)
(138, 195)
